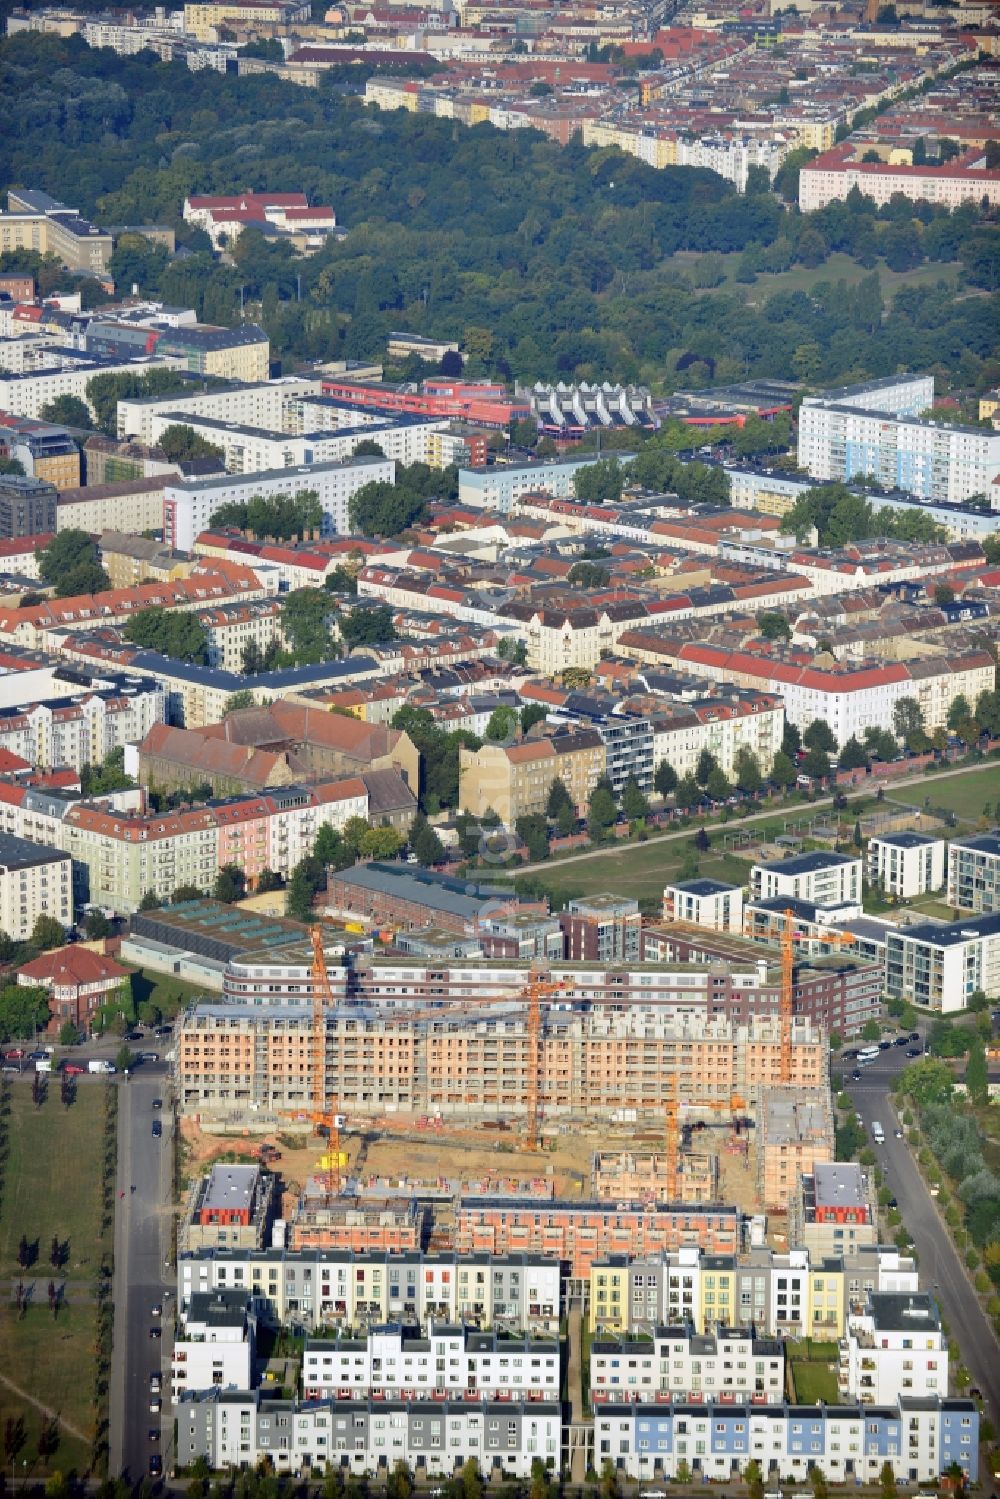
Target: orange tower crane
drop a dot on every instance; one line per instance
(787, 1003)
(671, 1138)
(533, 991)
(320, 1114)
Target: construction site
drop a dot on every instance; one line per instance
(385, 1120)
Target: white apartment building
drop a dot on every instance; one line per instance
(902, 395)
(232, 627)
(79, 730)
(732, 157)
(26, 394)
(708, 903)
(239, 1429)
(723, 726)
(681, 1364)
(894, 1347)
(940, 966)
(906, 864)
(216, 1347)
(341, 1288)
(499, 488)
(34, 881)
(825, 879)
(933, 460)
(448, 1362)
(974, 873)
(266, 403)
(189, 504)
(920, 1438)
(831, 176)
(251, 450)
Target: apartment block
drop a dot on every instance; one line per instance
(190, 504)
(680, 1364)
(940, 966)
(832, 1210)
(34, 221)
(448, 1362)
(825, 879)
(431, 1437)
(499, 488)
(832, 176)
(345, 1289)
(231, 628)
(894, 1347)
(919, 1438)
(591, 1062)
(128, 506)
(34, 881)
(216, 1346)
(84, 728)
(602, 929)
(793, 1294)
(974, 873)
(723, 723)
(45, 452)
(581, 1232)
(708, 903)
(795, 1131)
(907, 864)
(514, 780)
(230, 1206)
(26, 394)
(930, 459)
(27, 507)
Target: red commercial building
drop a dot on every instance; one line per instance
(485, 405)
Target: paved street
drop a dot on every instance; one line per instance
(142, 1241)
(940, 1267)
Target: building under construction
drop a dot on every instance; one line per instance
(795, 1130)
(635, 1176)
(483, 1062)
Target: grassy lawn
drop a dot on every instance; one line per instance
(639, 870)
(966, 795)
(164, 990)
(816, 1381)
(836, 268)
(53, 1361)
(52, 1179)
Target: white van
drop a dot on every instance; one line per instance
(868, 1053)
(878, 1133)
(100, 1064)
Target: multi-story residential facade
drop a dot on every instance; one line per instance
(939, 966)
(825, 879)
(894, 1347)
(34, 881)
(342, 1288)
(974, 873)
(579, 1233)
(795, 1130)
(906, 864)
(723, 726)
(83, 729)
(26, 394)
(231, 628)
(681, 1364)
(602, 929)
(34, 221)
(129, 506)
(499, 488)
(919, 1438)
(27, 507)
(930, 459)
(430, 1437)
(190, 504)
(832, 1211)
(830, 177)
(216, 1346)
(793, 1294)
(514, 780)
(590, 1063)
(45, 452)
(448, 1361)
(708, 903)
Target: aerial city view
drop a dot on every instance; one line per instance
(500, 749)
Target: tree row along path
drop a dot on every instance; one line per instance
(803, 808)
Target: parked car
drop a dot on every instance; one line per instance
(157, 1103)
(73, 1069)
(913, 1051)
(149, 1056)
(157, 1129)
(155, 1465)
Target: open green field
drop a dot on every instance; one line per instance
(835, 268)
(640, 870)
(52, 1361)
(52, 1178)
(965, 795)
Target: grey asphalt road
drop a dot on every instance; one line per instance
(941, 1270)
(142, 1240)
